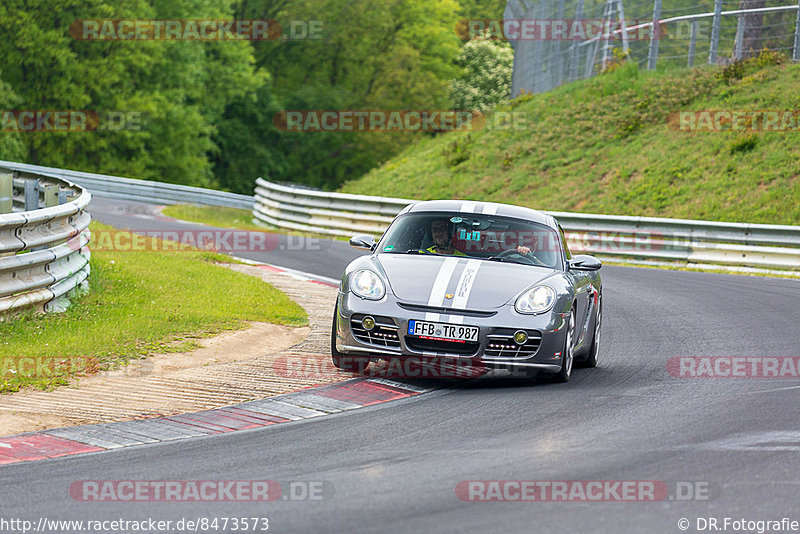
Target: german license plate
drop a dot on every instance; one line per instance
(442, 331)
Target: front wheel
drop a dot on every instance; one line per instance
(567, 358)
(343, 361)
(591, 359)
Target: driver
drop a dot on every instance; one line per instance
(440, 232)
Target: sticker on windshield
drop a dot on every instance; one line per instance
(389, 248)
(470, 236)
(456, 220)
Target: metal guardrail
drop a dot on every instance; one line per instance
(44, 253)
(322, 212)
(139, 190)
(646, 240)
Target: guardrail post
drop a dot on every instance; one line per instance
(655, 36)
(6, 192)
(714, 46)
(796, 55)
(31, 195)
(50, 196)
(693, 44)
(63, 196)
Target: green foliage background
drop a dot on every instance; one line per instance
(209, 105)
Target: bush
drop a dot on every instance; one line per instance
(485, 80)
(457, 152)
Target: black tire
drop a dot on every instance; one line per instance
(568, 358)
(591, 358)
(342, 361)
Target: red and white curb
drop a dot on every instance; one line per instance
(305, 404)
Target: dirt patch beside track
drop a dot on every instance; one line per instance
(230, 368)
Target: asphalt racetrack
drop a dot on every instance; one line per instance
(722, 447)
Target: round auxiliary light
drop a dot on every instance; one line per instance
(368, 323)
(520, 337)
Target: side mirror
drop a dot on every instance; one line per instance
(366, 242)
(584, 262)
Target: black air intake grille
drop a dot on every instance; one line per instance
(383, 335)
(501, 344)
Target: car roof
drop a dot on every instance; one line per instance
(486, 208)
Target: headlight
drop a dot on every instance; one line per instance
(538, 299)
(367, 284)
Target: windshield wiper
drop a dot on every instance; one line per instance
(409, 251)
(503, 260)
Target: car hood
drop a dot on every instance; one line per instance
(470, 283)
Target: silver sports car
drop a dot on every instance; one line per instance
(490, 285)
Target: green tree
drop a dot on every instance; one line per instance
(389, 55)
(482, 9)
(248, 145)
(11, 148)
(182, 87)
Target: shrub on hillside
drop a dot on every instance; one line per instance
(485, 78)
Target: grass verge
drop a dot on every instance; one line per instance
(605, 145)
(140, 302)
(235, 218)
(218, 216)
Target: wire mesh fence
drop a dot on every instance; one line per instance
(558, 41)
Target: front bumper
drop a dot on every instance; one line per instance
(495, 347)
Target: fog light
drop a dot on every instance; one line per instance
(520, 337)
(368, 323)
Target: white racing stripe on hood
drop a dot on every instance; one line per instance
(490, 209)
(440, 286)
(465, 283)
(469, 207)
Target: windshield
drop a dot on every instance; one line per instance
(488, 237)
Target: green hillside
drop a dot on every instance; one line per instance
(604, 146)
